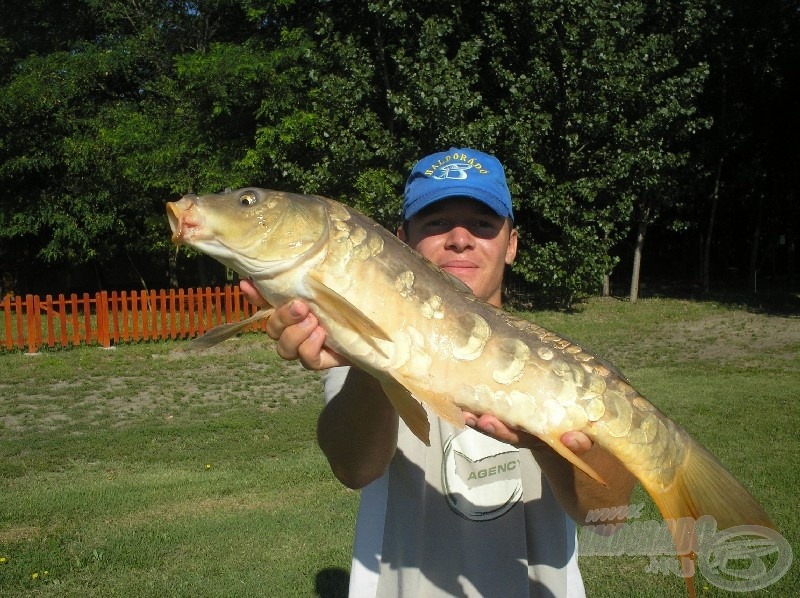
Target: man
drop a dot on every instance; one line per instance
(469, 515)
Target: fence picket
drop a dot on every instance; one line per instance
(30, 305)
(62, 320)
(20, 319)
(114, 301)
(7, 321)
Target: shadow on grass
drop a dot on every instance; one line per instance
(780, 301)
(333, 583)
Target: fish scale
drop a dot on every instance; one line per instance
(427, 339)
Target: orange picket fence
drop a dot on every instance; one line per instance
(108, 318)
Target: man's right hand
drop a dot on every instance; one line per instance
(297, 332)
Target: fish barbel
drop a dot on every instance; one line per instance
(427, 339)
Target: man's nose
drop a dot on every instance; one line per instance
(459, 238)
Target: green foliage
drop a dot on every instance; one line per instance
(601, 112)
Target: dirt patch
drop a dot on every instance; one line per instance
(19, 533)
(128, 386)
(735, 335)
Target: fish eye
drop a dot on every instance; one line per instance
(248, 198)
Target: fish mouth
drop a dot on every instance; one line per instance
(185, 221)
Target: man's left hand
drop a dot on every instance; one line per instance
(577, 442)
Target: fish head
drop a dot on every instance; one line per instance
(257, 232)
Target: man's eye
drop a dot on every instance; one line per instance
(436, 222)
(485, 225)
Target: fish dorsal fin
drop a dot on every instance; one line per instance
(225, 331)
(409, 409)
(346, 314)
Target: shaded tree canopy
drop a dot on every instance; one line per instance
(609, 117)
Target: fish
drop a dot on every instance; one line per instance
(428, 340)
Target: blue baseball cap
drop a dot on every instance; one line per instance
(457, 173)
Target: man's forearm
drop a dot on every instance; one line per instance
(357, 431)
(578, 493)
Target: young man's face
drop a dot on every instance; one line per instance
(467, 239)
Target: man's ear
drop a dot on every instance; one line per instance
(511, 250)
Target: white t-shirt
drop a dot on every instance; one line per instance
(467, 516)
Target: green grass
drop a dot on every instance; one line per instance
(142, 471)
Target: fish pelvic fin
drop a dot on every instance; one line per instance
(409, 409)
(225, 331)
(702, 487)
(346, 314)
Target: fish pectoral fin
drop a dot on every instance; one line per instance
(345, 313)
(409, 409)
(561, 449)
(225, 331)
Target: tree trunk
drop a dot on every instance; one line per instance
(607, 275)
(753, 270)
(637, 259)
(706, 276)
(133, 266)
(172, 269)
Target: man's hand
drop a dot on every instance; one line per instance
(577, 442)
(577, 492)
(297, 331)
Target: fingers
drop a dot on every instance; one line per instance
(576, 441)
(489, 424)
(299, 336)
(251, 293)
(296, 317)
(297, 331)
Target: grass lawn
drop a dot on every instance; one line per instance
(144, 471)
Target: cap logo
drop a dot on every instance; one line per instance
(445, 168)
(455, 171)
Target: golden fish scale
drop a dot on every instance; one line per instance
(527, 376)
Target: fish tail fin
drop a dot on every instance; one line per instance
(702, 487)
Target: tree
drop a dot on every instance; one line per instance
(749, 157)
(592, 105)
(146, 100)
(578, 99)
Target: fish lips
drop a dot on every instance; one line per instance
(185, 221)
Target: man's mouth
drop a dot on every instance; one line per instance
(458, 265)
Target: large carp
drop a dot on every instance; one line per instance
(426, 338)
